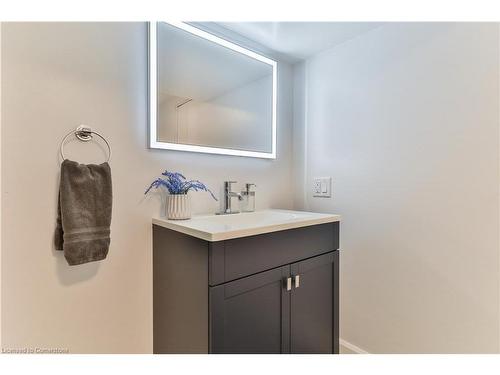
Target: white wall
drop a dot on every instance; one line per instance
(55, 77)
(239, 118)
(405, 119)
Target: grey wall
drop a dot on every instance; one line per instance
(55, 77)
(405, 119)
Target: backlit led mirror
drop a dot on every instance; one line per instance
(207, 94)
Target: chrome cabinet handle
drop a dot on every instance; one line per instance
(296, 281)
(289, 284)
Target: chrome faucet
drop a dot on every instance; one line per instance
(228, 195)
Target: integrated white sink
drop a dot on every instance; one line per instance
(225, 227)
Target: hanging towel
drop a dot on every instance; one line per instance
(84, 212)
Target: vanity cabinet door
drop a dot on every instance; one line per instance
(314, 321)
(251, 315)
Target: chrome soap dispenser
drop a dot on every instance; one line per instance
(248, 202)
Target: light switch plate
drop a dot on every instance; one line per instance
(322, 187)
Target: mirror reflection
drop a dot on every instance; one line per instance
(213, 95)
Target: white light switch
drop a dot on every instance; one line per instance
(322, 187)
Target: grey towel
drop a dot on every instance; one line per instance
(84, 212)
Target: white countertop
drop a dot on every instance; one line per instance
(224, 227)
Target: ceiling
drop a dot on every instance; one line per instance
(299, 40)
(190, 67)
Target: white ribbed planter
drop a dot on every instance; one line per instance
(178, 207)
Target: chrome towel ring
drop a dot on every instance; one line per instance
(84, 134)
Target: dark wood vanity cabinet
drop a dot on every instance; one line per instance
(262, 314)
(251, 315)
(270, 293)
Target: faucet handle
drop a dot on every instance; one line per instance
(228, 184)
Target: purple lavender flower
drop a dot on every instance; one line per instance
(176, 183)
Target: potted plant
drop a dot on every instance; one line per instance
(178, 205)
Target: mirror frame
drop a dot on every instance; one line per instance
(153, 100)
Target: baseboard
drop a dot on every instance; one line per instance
(352, 347)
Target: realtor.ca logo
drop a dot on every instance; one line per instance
(35, 351)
